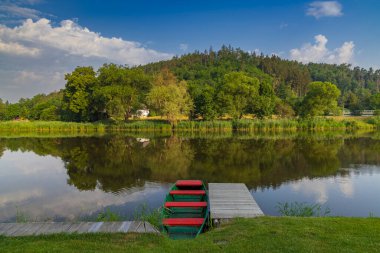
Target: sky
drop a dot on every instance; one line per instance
(41, 40)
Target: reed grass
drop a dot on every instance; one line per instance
(144, 213)
(140, 125)
(205, 126)
(50, 126)
(302, 209)
(375, 121)
(217, 126)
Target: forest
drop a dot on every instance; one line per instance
(228, 83)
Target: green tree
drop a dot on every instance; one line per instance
(204, 102)
(12, 111)
(264, 104)
(375, 101)
(283, 109)
(321, 99)
(364, 96)
(118, 101)
(77, 94)
(351, 101)
(236, 92)
(2, 110)
(170, 98)
(50, 113)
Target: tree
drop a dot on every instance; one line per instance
(264, 104)
(351, 101)
(121, 90)
(2, 110)
(375, 101)
(204, 102)
(118, 101)
(13, 111)
(49, 113)
(112, 74)
(236, 93)
(283, 109)
(170, 99)
(77, 94)
(321, 99)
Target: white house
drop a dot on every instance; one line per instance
(143, 113)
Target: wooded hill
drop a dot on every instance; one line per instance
(290, 78)
(206, 85)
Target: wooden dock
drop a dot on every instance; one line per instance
(229, 200)
(45, 228)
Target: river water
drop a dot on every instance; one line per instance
(71, 178)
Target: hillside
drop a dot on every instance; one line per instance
(209, 85)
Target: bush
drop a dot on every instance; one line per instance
(284, 110)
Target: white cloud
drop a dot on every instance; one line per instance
(183, 47)
(76, 40)
(13, 12)
(38, 48)
(346, 52)
(17, 49)
(257, 51)
(319, 53)
(25, 76)
(320, 9)
(32, 2)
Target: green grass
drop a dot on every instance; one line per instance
(143, 213)
(205, 126)
(374, 121)
(162, 126)
(140, 125)
(50, 127)
(265, 234)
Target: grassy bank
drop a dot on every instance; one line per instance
(265, 234)
(51, 126)
(243, 125)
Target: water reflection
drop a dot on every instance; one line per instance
(65, 175)
(36, 185)
(354, 194)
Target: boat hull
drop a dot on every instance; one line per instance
(186, 209)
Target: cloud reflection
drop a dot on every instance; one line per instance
(38, 189)
(321, 189)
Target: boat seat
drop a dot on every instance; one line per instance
(191, 222)
(186, 204)
(187, 192)
(189, 183)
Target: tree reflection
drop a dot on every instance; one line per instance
(114, 163)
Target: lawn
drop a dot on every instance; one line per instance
(265, 234)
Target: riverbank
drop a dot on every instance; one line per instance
(243, 125)
(264, 234)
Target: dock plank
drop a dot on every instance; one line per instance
(45, 228)
(230, 200)
(23, 230)
(12, 230)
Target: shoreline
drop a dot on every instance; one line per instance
(263, 234)
(150, 125)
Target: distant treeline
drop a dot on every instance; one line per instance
(209, 85)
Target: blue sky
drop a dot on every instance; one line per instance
(40, 40)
